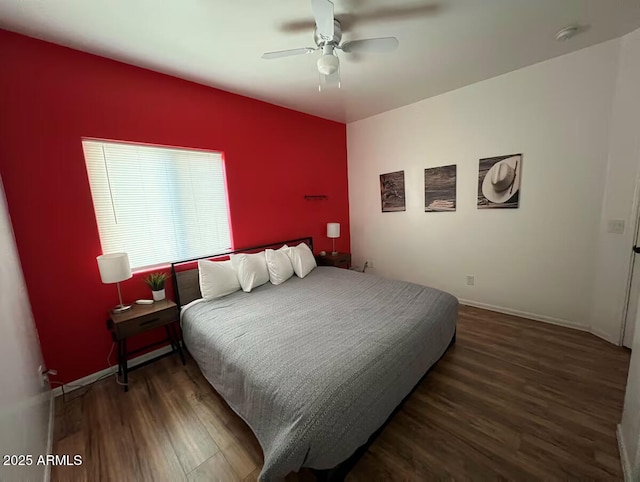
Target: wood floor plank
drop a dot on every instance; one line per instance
(513, 399)
(253, 476)
(230, 433)
(67, 418)
(189, 438)
(154, 450)
(241, 460)
(110, 439)
(72, 445)
(214, 469)
(479, 445)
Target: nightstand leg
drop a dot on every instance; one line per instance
(177, 338)
(125, 367)
(170, 336)
(119, 359)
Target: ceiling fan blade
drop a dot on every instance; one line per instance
(400, 12)
(323, 12)
(287, 53)
(382, 44)
(348, 21)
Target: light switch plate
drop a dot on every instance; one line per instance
(615, 226)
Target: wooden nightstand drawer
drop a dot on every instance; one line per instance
(141, 318)
(146, 322)
(340, 260)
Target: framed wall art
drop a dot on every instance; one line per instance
(440, 189)
(392, 192)
(499, 180)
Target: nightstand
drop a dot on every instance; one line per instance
(340, 260)
(139, 319)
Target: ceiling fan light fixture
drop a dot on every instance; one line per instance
(328, 38)
(328, 64)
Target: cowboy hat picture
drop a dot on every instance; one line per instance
(499, 180)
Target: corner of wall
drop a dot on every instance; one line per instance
(624, 457)
(613, 338)
(621, 197)
(52, 412)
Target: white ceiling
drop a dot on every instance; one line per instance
(444, 44)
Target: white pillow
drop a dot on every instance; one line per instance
(251, 270)
(279, 265)
(217, 279)
(302, 259)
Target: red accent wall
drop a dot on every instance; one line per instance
(51, 96)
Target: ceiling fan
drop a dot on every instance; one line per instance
(327, 36)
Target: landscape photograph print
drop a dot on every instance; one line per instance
(392, 192)
(440, 189)
(499, 180)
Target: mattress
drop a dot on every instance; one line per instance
(316, 365)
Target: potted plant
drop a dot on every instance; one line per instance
(156, 281)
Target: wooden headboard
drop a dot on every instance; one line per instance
(186, 283)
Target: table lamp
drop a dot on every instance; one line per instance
(114, 268)
(333, 232)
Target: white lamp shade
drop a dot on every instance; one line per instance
(114, 267)
(333, 230)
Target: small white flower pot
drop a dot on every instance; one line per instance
(158, 295)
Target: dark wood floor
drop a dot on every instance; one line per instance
(513, 399)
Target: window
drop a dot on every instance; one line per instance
(158, 204)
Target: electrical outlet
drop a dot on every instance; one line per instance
(471, 280)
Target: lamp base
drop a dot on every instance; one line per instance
(121, 309)
(334, 253)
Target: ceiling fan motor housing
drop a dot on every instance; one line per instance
(337, 35)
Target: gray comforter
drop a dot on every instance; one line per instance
(316, 365)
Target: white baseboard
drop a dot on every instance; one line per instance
(624, 457)
(524, 314)
(52, 410)
(81, 382)
(546, 319)
(605, 336)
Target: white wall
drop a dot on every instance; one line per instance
(629, 429)
(24, 403)
(539, 259)
(614, 251)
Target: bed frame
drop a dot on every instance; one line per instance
(186, 283)
(187, 289)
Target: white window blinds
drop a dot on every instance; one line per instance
(158, 204)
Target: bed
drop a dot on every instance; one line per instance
(315, 366)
